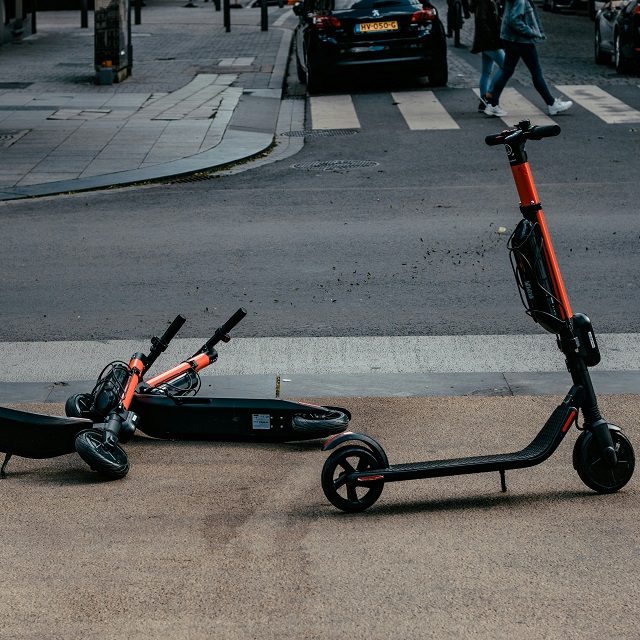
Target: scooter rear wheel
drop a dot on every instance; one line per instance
(320, 424)
(111, 463)
(593, 468)
(350, 497)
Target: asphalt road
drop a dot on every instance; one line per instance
(407, 246)
(410, 246)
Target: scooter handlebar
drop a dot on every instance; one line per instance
(233, 321)
(159, 345)
(174, 327)
(531, 133)
(544, 131)
(221, 332)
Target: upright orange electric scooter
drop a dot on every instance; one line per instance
(354, 474)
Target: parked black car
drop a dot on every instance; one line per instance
(617, 35)
(560, 5)
(368, 36)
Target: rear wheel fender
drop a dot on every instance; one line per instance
(368, 441)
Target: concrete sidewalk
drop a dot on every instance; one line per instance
(198, 98)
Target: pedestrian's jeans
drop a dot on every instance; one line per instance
(488, 59)
(513, 51)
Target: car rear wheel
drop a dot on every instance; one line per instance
(439, 74)
(601, 57)
(315, 81)
(622, 62)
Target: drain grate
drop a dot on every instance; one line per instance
(319, 133)
(335, 165)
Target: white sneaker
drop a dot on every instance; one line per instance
(497, 110)
(559, 106)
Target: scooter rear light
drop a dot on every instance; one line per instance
(423, 15)
(636, 11)
(332, 438)
(371, 478)
(326, 22)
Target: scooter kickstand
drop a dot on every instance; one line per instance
(503, 481)
(3, 469)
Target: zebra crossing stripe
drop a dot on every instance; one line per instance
(601, 103)
(333, 112)
(519, 108)
(422, 110)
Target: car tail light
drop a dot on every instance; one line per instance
(636, 11)
(326, 22)
(424, 15)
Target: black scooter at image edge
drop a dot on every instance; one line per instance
(354, 474)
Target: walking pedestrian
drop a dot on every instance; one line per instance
(486, 41)
(520, 32)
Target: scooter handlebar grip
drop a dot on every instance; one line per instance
(495, 139)
(174, 327)
(232, 321)
(545, 131)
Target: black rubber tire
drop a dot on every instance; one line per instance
(302, 76)
(321, 424)
(622, 64)
(439, 75)
(595, 471)
(78, 406)
(600, 56)
(337, 466)
(316, 82)
(112, 464)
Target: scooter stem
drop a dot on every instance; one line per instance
(532, 210)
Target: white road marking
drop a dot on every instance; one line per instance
(519, 108)
(423, 111)
(333, 112)
(601, 103)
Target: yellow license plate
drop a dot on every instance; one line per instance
(371, 27)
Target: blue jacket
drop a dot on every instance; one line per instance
(521, 23)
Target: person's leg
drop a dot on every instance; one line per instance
(511, 57)
(497, 57)
(485, 74)
(529, 55)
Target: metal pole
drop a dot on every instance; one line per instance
(138, 11)
(264, 16)
(227, 15)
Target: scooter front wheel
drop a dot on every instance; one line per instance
(322, 423)
(112, 463)
(594, 469)
(348, 496)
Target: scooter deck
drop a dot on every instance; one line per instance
(230, 419)
(36, 435)
(540, 448)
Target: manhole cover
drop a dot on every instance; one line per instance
(335, 165)
(318, 133)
